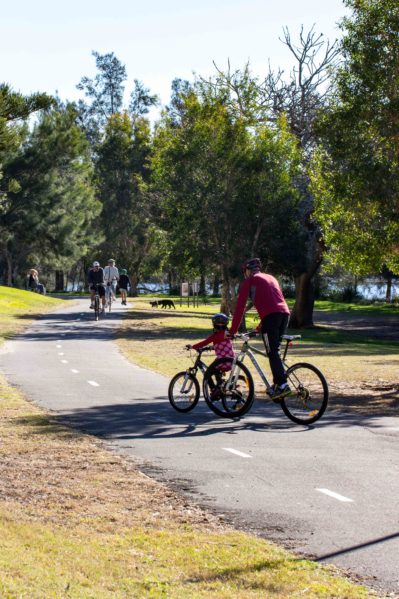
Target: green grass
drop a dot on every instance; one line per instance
(374, 309)
(18, 307)
(41, 562)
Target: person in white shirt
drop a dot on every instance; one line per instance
(111, 276)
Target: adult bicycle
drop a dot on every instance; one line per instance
(308, 397)
(184, 388)
(109, 296)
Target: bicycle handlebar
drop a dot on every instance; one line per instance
(201, 349)
(247, 335)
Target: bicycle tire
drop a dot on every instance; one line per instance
(96, 307)
(183, 401)
(235, 401)
(308, 399)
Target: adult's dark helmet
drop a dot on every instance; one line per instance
(220, 322)
(252, 264)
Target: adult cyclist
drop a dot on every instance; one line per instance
(265, 293)
(111, 276)
(96, 279)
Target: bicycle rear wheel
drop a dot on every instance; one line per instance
(308, 399)
(228, 391)
(184, 391)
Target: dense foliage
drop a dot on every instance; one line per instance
(301, 170)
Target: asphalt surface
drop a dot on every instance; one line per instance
(329, 491)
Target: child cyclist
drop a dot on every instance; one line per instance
(222, 344)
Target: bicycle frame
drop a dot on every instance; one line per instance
(108, 294)
(250, 350)
(198, 365)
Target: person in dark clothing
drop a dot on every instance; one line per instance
(96, 277)
(266, 295)
(32, 279)
(124, 284)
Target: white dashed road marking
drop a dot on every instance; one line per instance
(74, 371)
(335, 495)
(60, 353)
(236, 452)
(64, 361)
(58, 346)
(93, 383)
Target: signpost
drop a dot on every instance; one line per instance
(187, 288)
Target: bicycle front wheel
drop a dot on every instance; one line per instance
(96, 307)
(308, 399)
(184, 391)
(228, 390)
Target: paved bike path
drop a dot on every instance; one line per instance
(330, 491)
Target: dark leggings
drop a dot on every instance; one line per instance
(273, 328)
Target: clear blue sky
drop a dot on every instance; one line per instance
(46, 45)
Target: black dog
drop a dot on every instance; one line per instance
(165, 303)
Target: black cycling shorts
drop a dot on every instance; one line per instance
(101, 289)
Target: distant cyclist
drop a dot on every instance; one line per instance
(96, 277)
(111, 276)
(265, 293)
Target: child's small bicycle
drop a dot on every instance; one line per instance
(184, 388)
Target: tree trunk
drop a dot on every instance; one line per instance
(59, 280)
(202, 287)
(134, 280)
(9, 268)
(226, 302)
(215, 285)
(302, 312)
(388, 294)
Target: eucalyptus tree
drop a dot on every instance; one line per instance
(356, 178)
(105, 96)
(222, 181)
(120, 139)
(127, 215)
(299, 97)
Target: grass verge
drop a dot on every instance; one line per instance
(18, 307)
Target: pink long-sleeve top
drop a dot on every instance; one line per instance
(265, 293)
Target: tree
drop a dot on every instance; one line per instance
(298, 98)
(222, 183)
(122, 183)
(105, 94)
(49, 215)
(356, 177)
(14, 111)
(141, 100)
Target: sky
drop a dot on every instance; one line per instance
(47, 45)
